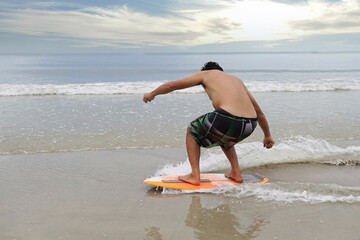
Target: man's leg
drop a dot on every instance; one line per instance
(193, 151)
(235, 168)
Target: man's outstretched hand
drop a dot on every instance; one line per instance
(268, 142)
(148, 97)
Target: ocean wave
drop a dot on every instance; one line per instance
(305, 85)
(77, 89)
(298, 149)
(140, 87)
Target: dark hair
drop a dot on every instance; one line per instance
(211, 66)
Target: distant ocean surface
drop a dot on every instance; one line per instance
(137, 73)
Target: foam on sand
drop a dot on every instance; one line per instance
(313, 193)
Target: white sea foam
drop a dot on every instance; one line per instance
(305, 85)
(77, 89)
(303, 192)
(140, 87)
(295, 150)
(285, 192)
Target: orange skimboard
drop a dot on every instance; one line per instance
(208, 180)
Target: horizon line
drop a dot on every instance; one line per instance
(182, 53)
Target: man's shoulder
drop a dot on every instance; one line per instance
(210, 77)
(214, 74)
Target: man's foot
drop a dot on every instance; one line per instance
(190, 179)
(234, 177)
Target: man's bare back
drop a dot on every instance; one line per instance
(228, 92)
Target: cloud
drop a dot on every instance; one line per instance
(183, 24)
(104, 26)
(339, 17)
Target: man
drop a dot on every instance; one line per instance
(235, 118)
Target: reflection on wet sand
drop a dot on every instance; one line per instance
(153, 233)
(218, 223)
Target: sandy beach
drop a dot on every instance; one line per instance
(77, 142)
(100, 195)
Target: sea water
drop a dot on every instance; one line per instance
(71, 103)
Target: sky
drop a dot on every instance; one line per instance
(117, 26)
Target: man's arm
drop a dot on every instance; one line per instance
(165, 88)
(268, 141)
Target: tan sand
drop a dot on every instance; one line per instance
(100, 195)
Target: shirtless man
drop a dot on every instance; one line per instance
(235, 118)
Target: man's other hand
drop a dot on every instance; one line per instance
(268, 142)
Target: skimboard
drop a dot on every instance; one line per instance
(208, 180)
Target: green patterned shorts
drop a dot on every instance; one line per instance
(220, 128)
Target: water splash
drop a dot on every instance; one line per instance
(298, 149)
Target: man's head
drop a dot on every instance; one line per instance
(211, 66)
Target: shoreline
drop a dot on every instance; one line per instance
(100, 194)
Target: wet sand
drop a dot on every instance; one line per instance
(101, 195)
